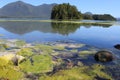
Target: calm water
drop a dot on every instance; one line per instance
(102, 36)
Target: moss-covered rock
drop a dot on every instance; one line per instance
(46, 49)
(9, 71)
(79, 73)
(15, 59)
(3, 47)
(20, 43)
(26, 52)
(37, 64)
(85, 53)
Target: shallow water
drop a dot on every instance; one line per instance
(101, 36)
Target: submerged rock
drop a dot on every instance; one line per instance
(103, 56)
(117, 46)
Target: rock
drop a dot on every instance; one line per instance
(80, 64)
(103, 56)
(15, 60)
(117, 46)
(13, 57)
(70, 45)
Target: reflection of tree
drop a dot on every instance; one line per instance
(64, 28)
(23, 27)
(97, 24)
(67, 28)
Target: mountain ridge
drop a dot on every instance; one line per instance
(22, 9)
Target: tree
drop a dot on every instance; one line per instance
(65, 11)
(103, 17)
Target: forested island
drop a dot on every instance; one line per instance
(66, 12)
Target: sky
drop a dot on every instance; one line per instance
(94, 6)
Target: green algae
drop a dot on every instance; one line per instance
(41, 63)
(8, 71)
(86, 53)
(79, 73)
(20, 43)
(38, 60)
(3, 47)
(26, 52)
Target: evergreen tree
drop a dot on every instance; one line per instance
(65, 11)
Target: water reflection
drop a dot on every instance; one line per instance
(45, 27)
(26, 27)
(64, 28)
(88, 25)
(89, 33)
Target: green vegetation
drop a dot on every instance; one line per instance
(64, 28)
(86, 53)
(79, 73)
(37, 64)
(46, 49)
(49, 62)
(104, 17)
(8, 71)
(65, 12)
(99, 17)
(26, 52)
(20, 43)
(3, 47)
(87, 16)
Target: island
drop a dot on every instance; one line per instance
(67, 12)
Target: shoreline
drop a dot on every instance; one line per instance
(51, 58)
(82, 22)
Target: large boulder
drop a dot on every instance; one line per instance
(117, 46)
(103, 56)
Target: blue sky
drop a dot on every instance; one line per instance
(94, 6)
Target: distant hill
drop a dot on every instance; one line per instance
(118, 19)
(22, 9)
(88, 13)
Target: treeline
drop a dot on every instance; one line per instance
(99, 17)
(66, 11)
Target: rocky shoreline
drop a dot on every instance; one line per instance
(49, 61)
